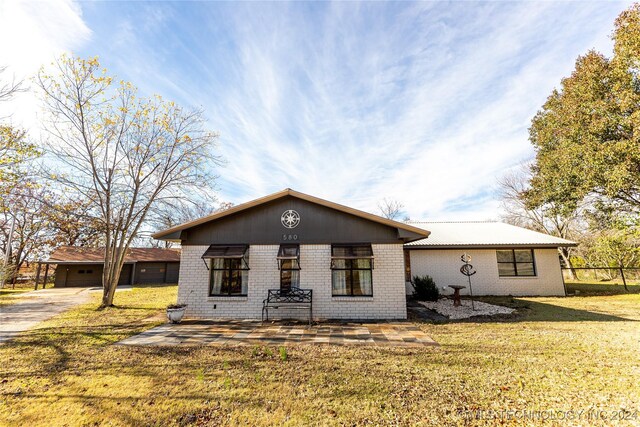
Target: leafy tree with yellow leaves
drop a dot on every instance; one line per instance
(124, 153)
(15, 149)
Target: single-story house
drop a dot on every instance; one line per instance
(82, 266)
(507, 260)
(353, 261)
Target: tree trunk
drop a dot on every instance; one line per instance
(568, 264)
(114, 260)
(109, 276)
(108, 293)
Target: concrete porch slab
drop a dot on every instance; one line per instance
(249, 333)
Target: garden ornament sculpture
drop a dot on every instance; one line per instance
(468, 270)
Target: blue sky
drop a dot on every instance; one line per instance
(427, 103)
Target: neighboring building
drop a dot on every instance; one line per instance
(81, 266)
(508, 260)
(352, 260)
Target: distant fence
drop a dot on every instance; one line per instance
(623, 276)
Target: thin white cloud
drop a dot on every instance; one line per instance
(427, 103)
(34, 33)
(428, 107)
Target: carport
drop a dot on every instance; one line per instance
(80, 266)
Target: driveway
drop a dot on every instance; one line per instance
(34, 307)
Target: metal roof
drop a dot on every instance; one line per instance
(479, 234)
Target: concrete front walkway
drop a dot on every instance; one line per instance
(31, 308)
(246, 332)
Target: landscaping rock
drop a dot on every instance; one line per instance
(444, 306)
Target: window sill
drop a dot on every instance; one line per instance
(351, 299)
(228, 298)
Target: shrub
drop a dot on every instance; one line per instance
(424, 288)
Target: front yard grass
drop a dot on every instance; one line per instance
(559, 354)
(7, 294)
(601, 288)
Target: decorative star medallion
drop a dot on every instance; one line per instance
(290, 219)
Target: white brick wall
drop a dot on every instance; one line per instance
(388, 301)
(444, 266)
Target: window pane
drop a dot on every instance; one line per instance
(289, 279)
(295, 278)
(216, 282)
(506, 269)
(339, 282)
(289, 264)
(362, 263)
(362, 282)
(288, 250)
(217, 263)
(524, 255)
(285, 280)
(340, 251)
(505, 256)
(235, 282)
(339, 263)
(525, 269)
(226, 278)
(363, 251)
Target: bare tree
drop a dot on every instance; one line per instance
(123, 153)
(8, 88)
(179, 211)
(23, 208)
(544, 219)
(390, 208)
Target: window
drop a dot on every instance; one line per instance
(516, 262)
(229, 269)
(229, 277)
(289, 265)
(80, 271)
(89, 271)
(351, 267)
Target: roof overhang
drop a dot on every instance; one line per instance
(406, 232)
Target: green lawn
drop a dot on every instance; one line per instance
(575, 353)
(601, 288)
(7, 294)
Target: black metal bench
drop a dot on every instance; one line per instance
(295, 298)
